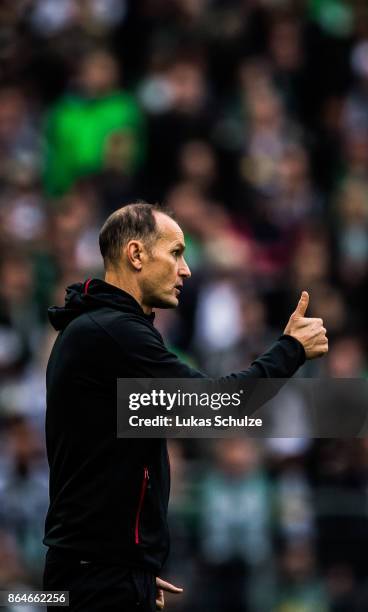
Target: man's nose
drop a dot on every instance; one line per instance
(184, 270)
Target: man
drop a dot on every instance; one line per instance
(106, 526)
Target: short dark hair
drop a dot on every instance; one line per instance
(134, 221)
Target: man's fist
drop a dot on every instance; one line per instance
(310, 332)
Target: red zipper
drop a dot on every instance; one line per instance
(140, 505)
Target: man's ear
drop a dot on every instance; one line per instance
(134, 251)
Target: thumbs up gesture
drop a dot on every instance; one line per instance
(309, 331)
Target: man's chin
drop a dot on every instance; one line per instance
(170, 302)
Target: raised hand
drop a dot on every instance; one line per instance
(309, 331)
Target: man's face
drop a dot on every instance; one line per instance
(164, 269)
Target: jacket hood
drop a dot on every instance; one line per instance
(90, 295)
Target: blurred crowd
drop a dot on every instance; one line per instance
(248, 119)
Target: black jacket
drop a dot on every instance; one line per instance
(109, 496)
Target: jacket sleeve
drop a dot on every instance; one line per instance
(147, 351)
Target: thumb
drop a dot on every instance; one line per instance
(167, 586)
(302, 305)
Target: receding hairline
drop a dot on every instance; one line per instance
(157, 213)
